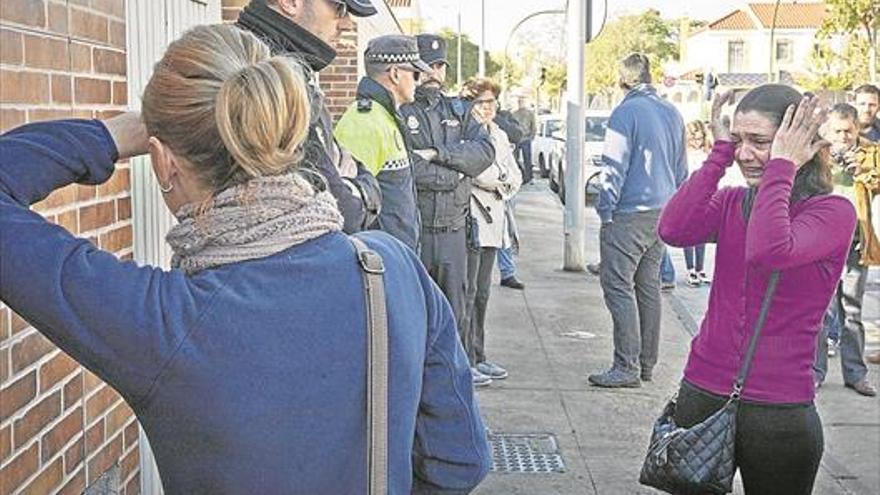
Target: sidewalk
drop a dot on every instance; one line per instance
(557, 331)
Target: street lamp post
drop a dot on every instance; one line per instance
(482, 58)
(771, 76)
(574, 220)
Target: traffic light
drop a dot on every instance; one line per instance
(700, 78)
(543, 75)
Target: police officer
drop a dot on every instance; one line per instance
(370, 129)
(307, 30)
(449, 148)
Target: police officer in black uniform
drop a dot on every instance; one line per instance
(449, 148)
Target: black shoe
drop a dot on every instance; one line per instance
(594, 268)
(512, 283)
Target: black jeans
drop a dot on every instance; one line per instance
(778, 446)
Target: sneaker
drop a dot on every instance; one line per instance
(614, 378)
(833, 347)
(693, 279)
(667, 286)
(480, 380)
(594, 268)
(492, 370)
(512, 283)
(704, 279)
(863, 387)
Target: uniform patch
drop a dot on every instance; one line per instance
(450, 122)
(412, 122)
(435, 45)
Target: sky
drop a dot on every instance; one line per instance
(502, 15)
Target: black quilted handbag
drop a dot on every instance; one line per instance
(700, 459)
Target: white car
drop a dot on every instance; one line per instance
(548, 142)
(596, 122)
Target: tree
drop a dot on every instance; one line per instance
(470, 58)
(837, 70)
(854, 19)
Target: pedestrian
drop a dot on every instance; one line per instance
(643, 163)
(791, 225)
(510, 245)
(867, 102)
(245, 363)
(450, 148)
(856, 176)
(526, 118)
(371, 129)
(306, 30)
(491, 190)
(699, 145)
(667, 272)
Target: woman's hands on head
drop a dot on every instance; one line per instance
(129, 133)
(721, 125)
(795, 139)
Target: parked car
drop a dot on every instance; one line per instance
(548, 142)
(596, 123)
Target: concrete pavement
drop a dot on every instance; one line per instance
(557, 331)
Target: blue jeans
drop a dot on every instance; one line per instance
(667, 270)
(506, 263)
(698, 252)
(845, 315)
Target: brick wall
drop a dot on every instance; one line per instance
(60, 427)
(339, 80)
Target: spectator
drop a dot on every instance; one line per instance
(526, 118)
(667, 272)
(450, 149)
(699, 146)
(856, 176)
(370, 129)
(640, 172)
(868, 104)
(491, 189)
(789, 224)
(306, 30)
(231, 386)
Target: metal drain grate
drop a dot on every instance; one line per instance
(533, 453)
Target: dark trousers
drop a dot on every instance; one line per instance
(694, 257)
(480, 264)
(778, 446)
(523, 154)
(444, 255)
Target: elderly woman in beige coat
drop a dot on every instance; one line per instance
(491, 189)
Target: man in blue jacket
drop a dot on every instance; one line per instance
(643, 163)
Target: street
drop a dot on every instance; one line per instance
(557, 331)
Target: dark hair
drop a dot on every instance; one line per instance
(868, 89)
(845, 111)
(771, 101)
(476, 86)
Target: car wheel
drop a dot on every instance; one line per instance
(542, 165)
(590, 197)
(554, 181)
(561, 183)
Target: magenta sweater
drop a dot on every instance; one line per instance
(808, 241)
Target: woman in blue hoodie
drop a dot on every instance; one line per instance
(245, 363)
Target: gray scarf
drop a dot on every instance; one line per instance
(262, 217)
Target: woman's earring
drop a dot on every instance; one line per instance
(166, 190)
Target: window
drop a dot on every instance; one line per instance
(693, 96)
(784, 51)
(676, 98)
(736, 56)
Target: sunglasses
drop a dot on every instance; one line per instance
(486, 101)
(341, 8)
(416, 74)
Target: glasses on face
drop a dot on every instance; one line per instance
(341, 8)
(488, 102)
(416, 74)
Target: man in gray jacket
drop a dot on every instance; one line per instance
(643, 163)
(449, 148)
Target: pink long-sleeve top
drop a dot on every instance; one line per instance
(807, 241)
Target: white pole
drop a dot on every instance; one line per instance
(575, 214)
(458, 49)
(482, 59)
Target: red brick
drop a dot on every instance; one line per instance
(117, 239)
(117, 34)
(73, 391)
(11, 47)
(109, 61)
(30, 12)
(80, 57)
(19, 469)
(129, 464)
(91, 382)
(29, 350)
(39, 114)
(8, 120)
(5, 442)
(105, 458)
(86, 193)
(43, 52)
(74, 455)
(106, 114)
(115, 8)
(68, 220)
(17, 395)
(95, 216)
(48, 480)
(76, 485)
(4, 363)
(98, 404)
(18, 323)
(23, 87)
(118, 183)
(120, 93)
(61, 89)
(95, 91)
(120, 416)
(134, 485)
(131, 434)
(94, 436)
(55, 370)
(58, 18)
(61, 197)
(61, 434)
(4, 325)
(36, 418)
(123, 209)
(88, 25)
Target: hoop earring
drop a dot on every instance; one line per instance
(166, 190)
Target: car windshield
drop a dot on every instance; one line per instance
(595, 128)
(553, 126)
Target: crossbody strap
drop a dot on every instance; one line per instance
(753, 342)
(377, 367)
